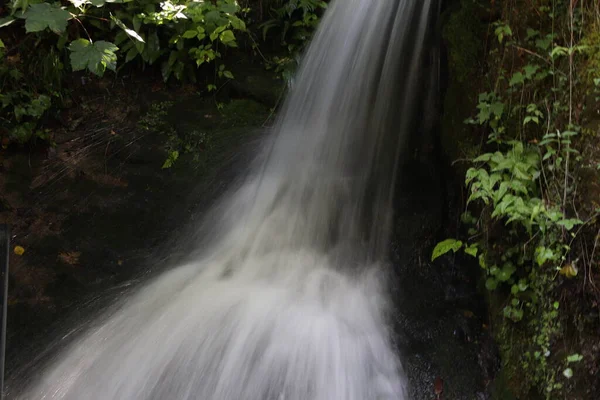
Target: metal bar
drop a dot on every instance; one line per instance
(4, 252)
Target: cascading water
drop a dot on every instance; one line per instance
(287, 301)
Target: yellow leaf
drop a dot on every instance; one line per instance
(19, 250)
(569, 271)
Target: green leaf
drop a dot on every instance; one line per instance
(530, 70)
(190, 34)
(472, 250)
(544, 44)
(96, 57)
(559, 51)
(137, 24)
(574, 358)
(229, 8)
(516, 79)
(569, 223)
(228, 74)
(491, 284)
(446, 246)
(522, 285)
(44, 15)
(543, 254)
(170, 161)
(131, 54)
(227, 37)
(482, 263)
(506, 272)
(497, 108)
(483, 158)
(129, 32)
(6, 21)
(237, 23)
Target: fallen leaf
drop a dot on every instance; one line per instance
(468, 314)
(120, 262)
(71, 257)
(19, 250)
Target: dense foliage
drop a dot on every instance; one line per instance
(531, 218)
(187, 40)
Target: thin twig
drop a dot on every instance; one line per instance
(85, 30)
(533, 53)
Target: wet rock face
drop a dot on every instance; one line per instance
(439, 316)
(97, 211)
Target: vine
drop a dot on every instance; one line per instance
(522, 219)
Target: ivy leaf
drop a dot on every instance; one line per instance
(544, 44)
(516, 79)
(491, 284)
(446, 246)
(543, 254)
(44, 15)
(472, 250)
(530, 70)
(96, 57)
(497, 108)
(506, 272)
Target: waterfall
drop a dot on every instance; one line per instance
(287, 300)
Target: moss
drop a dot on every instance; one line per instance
(244, 112)
(591, 40)
(462, 33)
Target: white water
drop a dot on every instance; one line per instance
(287, 301)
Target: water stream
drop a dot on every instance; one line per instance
(288, 298)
